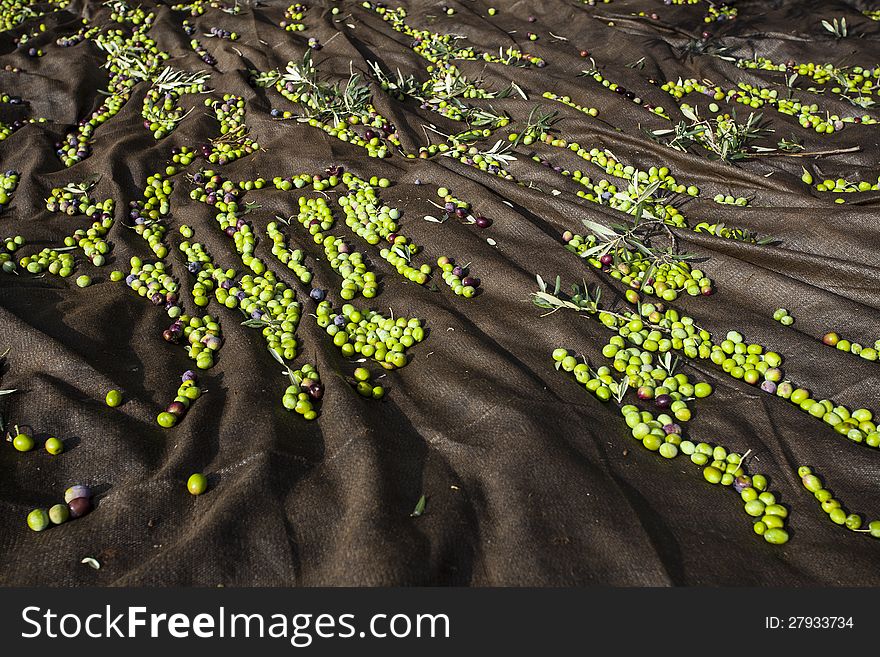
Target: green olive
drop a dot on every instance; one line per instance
(54, 446)
(197, 484)
(38, 520)
(23, 442)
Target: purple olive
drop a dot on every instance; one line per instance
(482, 222)
(176, 408)
(645, 393)
(79, 506)
(77, 491)
(212, 342)
(663, 401)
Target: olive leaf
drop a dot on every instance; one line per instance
(669, 362)
(837, 28)
(619, 390)
(94, 563)
(420, 507)
(276, 356)
(519, 90)
(598, 229)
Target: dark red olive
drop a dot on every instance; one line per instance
(176, 408)
(663, 401)
(316, 391)
(606, 259)
(483, 222)
(79, 507)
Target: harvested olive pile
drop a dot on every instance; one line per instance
(592, 286)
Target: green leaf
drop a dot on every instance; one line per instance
(420, 507)
(546, 297)
(689, 113)
(596, 250)
(598, 229)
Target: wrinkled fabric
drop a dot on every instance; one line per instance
(529, 479)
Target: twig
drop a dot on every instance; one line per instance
(837, 151)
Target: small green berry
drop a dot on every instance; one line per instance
(113, 398)
(166, 420)
(702, 389)
(54, 446)
(23, 442)
(776, 536)
(59, 514)
(38, 520)
(197, 484)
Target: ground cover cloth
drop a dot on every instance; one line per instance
(528, 478)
